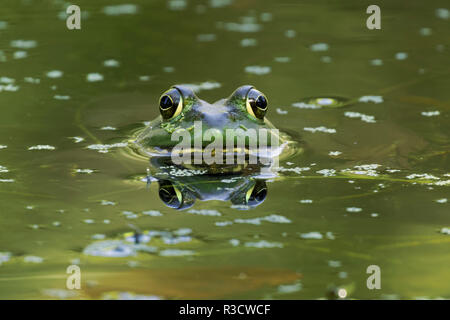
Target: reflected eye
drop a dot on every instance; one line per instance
(173, 197)
(256, 104)
(170, 104)
(257, 194)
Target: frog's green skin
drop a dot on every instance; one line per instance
(229, 113)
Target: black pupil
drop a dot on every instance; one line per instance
(165, 102)
(261, 102)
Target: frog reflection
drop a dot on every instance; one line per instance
(179, 187)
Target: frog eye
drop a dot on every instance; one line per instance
(256, 103)
(174, 197)
(170, 104)
(253, 196)
(256, 195)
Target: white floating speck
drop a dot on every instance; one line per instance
(363, 117)
(265, 17)
(443, 231)
(443, 200)
(7, 180)
(311, 235)
(249, 42)
(120, 9)
(94, 77)
(242, 27)
(107, 203)
(84, 171)
(60, 293)
(176, 253)
(374, 215)
(144, 78)
(2, 146)
(205, 212)
(2, 56)
(234, 242)
(425, 176)
(320, 129)
(327, 172)
(42, 147)
(98, 236)
(319, 47)
(289, 288)
(306, 201)
(401, 55)
(206, 37)
(104, 148)
(374, 99)
(20, 54)
(152, 213)
(60, 97)
(77, 139)
(110, 248)
(32, 80)
(33, 259)
(281, 111)
(259, 70)
(111, 63)
(7, 80)
(223, 223)
(264, 244)
(282, 59)
(302, 105)
(88, 221)
(430, 113)
(271, 218)
(334, 264)
(290, 34)
(23, 44)
(4, 257)
(425, 32)
(442, 13)
(168, 69)
(326, 59)
(219, 3)
(54, 74)
(9, 87)
(376, 62)
(207, 85)
(330, 235)
(334, 153)
(130, 214)
(108, 128)
(177, 5)
(353, 209)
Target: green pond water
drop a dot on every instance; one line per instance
(370, 188)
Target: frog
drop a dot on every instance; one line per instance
(202, 124)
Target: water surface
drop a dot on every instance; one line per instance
(371, 187)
